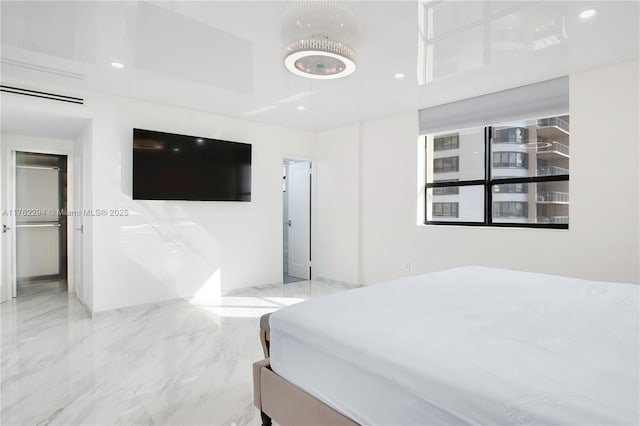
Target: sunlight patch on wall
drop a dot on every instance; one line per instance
(210, 292)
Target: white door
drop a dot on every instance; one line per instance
(77, 225)
(299, 188)
(76, 275)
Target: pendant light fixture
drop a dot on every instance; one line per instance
(318, 33)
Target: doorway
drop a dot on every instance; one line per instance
(34, 131)
(41, 202)
(296, 208)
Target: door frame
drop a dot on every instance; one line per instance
(9, 180)
(312, 203)
(4, 287)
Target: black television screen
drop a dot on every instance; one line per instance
(178, 167)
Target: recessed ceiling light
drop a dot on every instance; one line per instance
(399, 76)
(588, 13)
(200, 140)
(300, 108)
(176, 149)
(117, 65)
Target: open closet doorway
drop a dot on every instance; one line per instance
(296, 214)
(39, 204)
(40, 238)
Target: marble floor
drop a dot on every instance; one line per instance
(175, 363)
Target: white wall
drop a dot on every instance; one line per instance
(337, 205)
(172, 249)
(605, 182)
(388, 198)
(603, 240)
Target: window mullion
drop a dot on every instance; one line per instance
(487, 176)
(455, 183)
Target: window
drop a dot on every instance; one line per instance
(511, 188)
(515, 160)
(448, 190)
(444, 165)
(511, 174)
(445, 209)
(510, 209)
(510, 135)
(442, 143)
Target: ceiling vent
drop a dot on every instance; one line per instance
(38, 94)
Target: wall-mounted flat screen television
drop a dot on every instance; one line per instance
(167, 166)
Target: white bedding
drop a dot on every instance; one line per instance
(469, 345)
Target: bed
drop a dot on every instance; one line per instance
(465, 346)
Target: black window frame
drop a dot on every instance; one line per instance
(488, 182)
(447, 190)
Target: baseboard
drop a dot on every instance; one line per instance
(344, 283)
(261, 286)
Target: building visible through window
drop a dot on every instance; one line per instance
(445, 209)
(443, 143)
(511, 159)
(523, 181)
(510, 209)
(447, 164)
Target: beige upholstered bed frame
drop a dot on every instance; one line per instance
(284, 402)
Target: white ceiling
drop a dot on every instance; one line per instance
(226, 56)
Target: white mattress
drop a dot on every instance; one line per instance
(469, 345)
